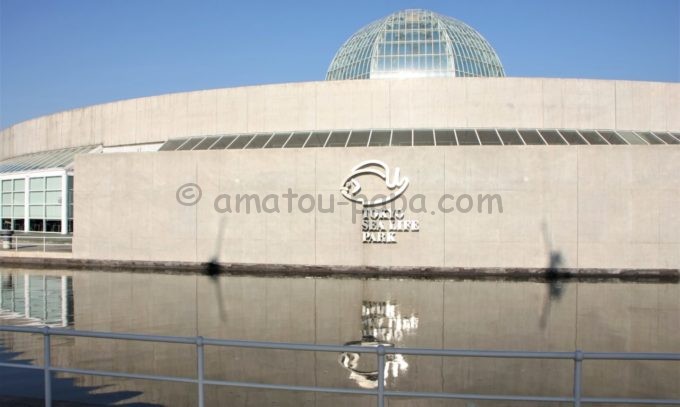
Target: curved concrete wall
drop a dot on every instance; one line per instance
(432, 102)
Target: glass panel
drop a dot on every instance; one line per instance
(423, 138)
(223, 142)
(206, 143)
(402, 138)
(649, 137)
(297, 140)
(53, 183)
(7, 185)
(467, 137)
(663, 136)
(240, 142)
(358, 138)
(19, 184)
(18, 224)
(36, 198)
(53, 226)
(6, 224)
(19, 198)
(631, 137)
(53, 211)
(592, 137)
(37, 184)
(171, 145)
(19, 211)
(572, 137)
(552, 137)
(489, 137)
(612, 137)
(445, 137)
(317, 139)
(379, 138)
(510, 137)
(6, 211)
(7, 199)
(338, 139)
(35, 211)
(35, 225)
(259, 141)
(191, 143)
(53, 197)
(278, 140)
(531, 137)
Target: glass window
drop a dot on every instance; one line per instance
(18, 224)
(297, 140)
(358, 138)
(53, 211)
(7, 198)
(552, 137)
(259, 141)
(6, 211)
(35, 198)
(171, 145)
(489, 137)
(592, 137)
(240, 142)
(36, 225)
(6, 224)
(467, 137)
(572, 137)
(402, 138)
(445, 137)
(53, 197)
(423, 138)
(19, 184)
(510, 138)
(53, 183)
(631, 137)
(666, 137)
(53, 226)
(531, 137)
(223, 142)
(649, 137)
(612, 137)
(34, 211)
(19, 198)
(379, 138)
(19, 212)
(37, 184)
(7, 185)
(278, 140)
(206, 143)
(317, 139)
(190, 144)
(338, 139)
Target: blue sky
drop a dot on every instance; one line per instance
(59, 55)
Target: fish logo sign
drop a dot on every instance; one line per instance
(351, 187)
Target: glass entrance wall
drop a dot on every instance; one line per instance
(37, 203)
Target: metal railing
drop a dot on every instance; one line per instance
(38, 243)
(380, 351)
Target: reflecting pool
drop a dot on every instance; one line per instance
(604, 316)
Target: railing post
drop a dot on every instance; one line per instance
(47, 355)
(578, 359)
(200, 368)
(381, 376)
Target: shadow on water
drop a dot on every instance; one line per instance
(554, 277)
(25, 387)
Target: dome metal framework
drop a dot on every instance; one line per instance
(415, 43)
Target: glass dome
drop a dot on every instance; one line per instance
(415, 43)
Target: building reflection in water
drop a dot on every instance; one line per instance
(36, 300)
(381, 324)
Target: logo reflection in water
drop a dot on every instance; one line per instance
(382, 324)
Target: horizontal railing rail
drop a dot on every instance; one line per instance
(37, 243)
(380, 351)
